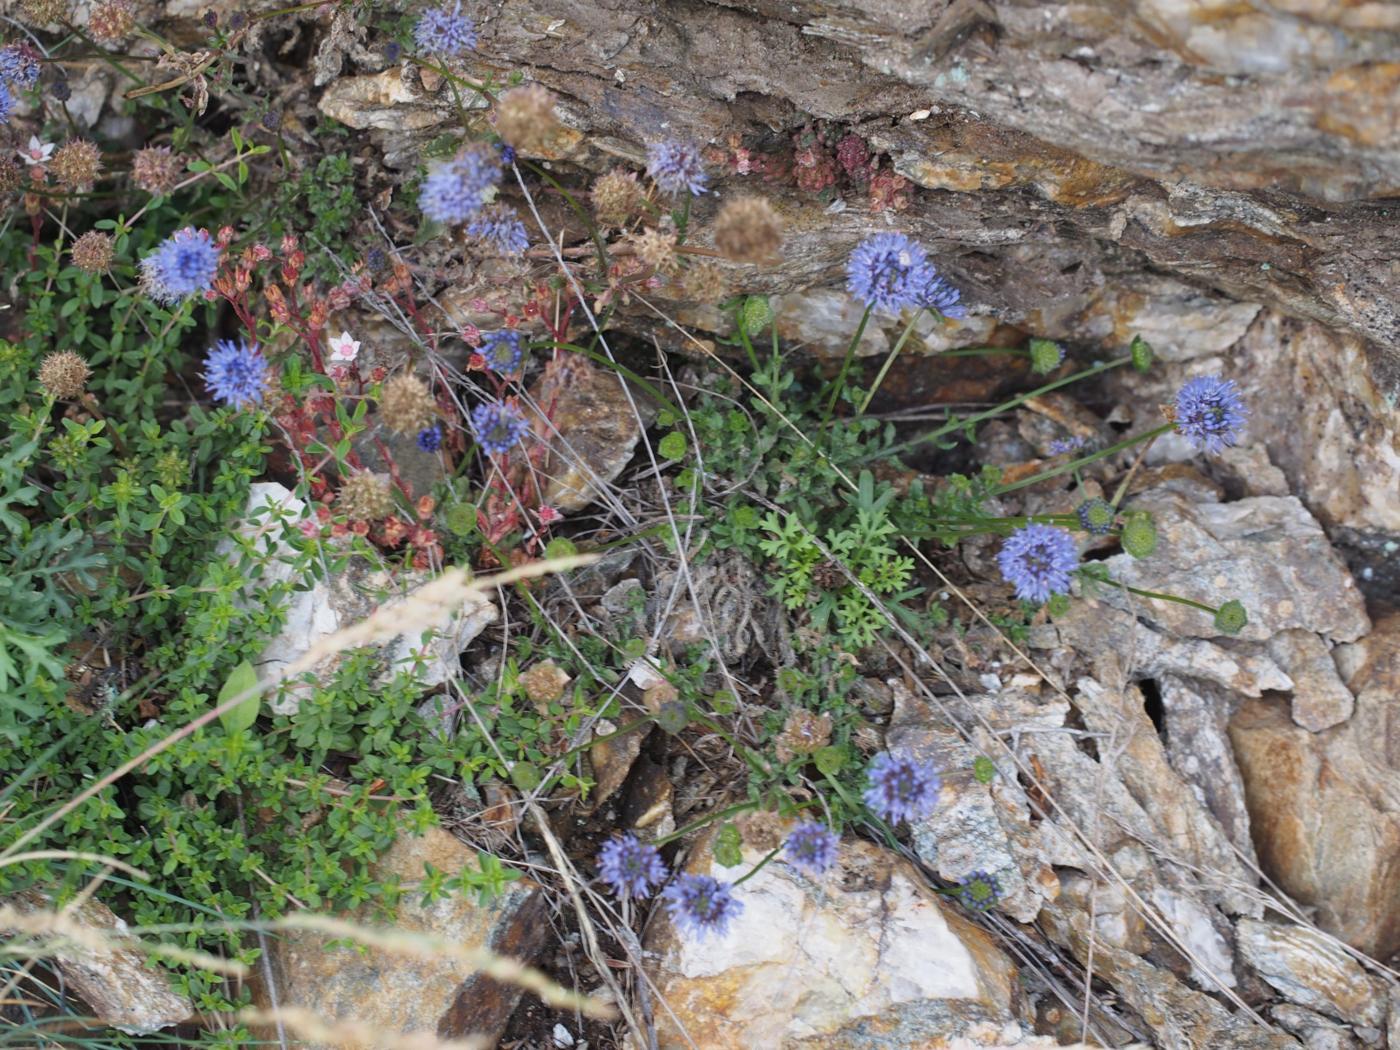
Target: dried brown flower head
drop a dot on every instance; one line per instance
(704, 282)
(155, 169)
(44, 12)
(525, 118)
(9, 175)
(656, 248)
(804, 733)
(405, 404)
(617, 197)
(544, 682)
(111, 22)
(747, 230)
(75, 165)
(92, 252)
(366, 497)
(64, 375)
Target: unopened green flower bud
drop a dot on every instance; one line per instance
(755, 315)
(1230, 618)
(1057, 606)
(1141, 350)
(1045, 356)
(672, 717)
(983, 769)
(1097, 516)
(1139, 535)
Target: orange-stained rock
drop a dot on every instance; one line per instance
(410, 993)
(865, 956)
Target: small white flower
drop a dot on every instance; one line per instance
(36, 152)
(344, 348)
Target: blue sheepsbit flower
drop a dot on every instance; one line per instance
(979, 891)
(445, 32)
(1070, 444)
(19, 65)
(811, 847)
(676, 167)
(430, 438)
(499, 426)
(890, 272)
(1210, 412)
(941, 296)
(455, 190)
(700, 904)
(630, 867)
(182, 265)
(7, 104)
(236, 373)
(502, 351)
(1039, 560)
(499, 226)
(900, 788)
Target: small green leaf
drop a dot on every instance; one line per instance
(829, 760)
(728, 848)
(242, 715)
(983, 769)
(672, 446)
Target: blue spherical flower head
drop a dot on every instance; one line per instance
(499, 426)
(700, 904)
(1060, 446)
(676, 167)
(7, 104)
(979, 891)
(900, 788)
(630, 867)
(183, 264)
(430, 438)
(457, 189)
(890, 272)
(1210, 412)
(941, 296)
(19, 65)
(502, 351)
(811, 847)
(499, 227)
(1039, 560)
(236, 373)
(445, 31)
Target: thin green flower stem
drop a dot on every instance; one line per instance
(984, 351)
(453, 78)
(1158, 595)
(1005, 406)
(593, 355)
(577, 208)
(744, 337)
(840, 383)
(710, 818)
(684, 223)
(757, 867)
(885, 368)
(1091, 458)
(1004, 525)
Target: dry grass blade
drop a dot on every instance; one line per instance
(500, 967)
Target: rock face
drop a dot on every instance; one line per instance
(864, 957)
(346, 598)
(121, 985)
(411, 993)
(1325, 807)
(1311, 972)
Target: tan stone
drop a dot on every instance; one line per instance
(1325, 807)
(1311, 971)
(863, 957)
(410, 993)
(1320, 700)
(120, 984)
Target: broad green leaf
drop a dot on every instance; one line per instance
(242, 715)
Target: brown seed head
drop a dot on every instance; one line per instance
(9, 175)
(747, 230)
(803, 734)
(525, 118)
(366, 497)
(92, 252)
(544, 683)
(64, 375)
(656, 248)
(154, 169)
(405, 404)
(705, 282)
(111, 22)
(75, 165)
(617, 197)
(44, 12)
